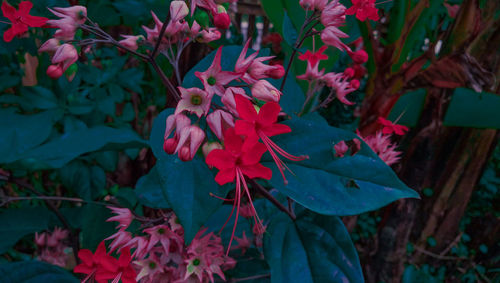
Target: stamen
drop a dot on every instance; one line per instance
(117, 278)
(224, 199)
(238, 200)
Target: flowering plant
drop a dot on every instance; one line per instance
(242, 177)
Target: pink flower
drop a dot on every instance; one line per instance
(209, 35)
(193, 100)
(65, 56)
(214, 79)
(123, 216)
(50, 46)
(77, 13)
(149, 268)
(190, 139)
(55, 71)
(340, 149)
(381, 144)
(209, 146)
(66, 26)
(259, 70)
(163, 235)
(243, 243)
(120, 239)
(331, 36)
(219, 121)
(178, 10)
(246, 211)
(21, 19)
(140, 244)
(205, 4)
(364, 9)
(333, 14)
(131, 41)
(390, 127)
(312, 73)
(228, 98)
(177, 122)
(264, 90)
(242, 64)
(342, 87)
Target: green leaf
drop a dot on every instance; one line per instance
(409, 107)
(472, 109)
(185, 185)
(149, 191)
(19, 222)
(414, 275)
(59, 151)
(94, 227)
(86, 181)
(21, 133)
(329, 185)
(40, 97)
(34, 272)
(274, 11)
(289, 32)
(314, 248)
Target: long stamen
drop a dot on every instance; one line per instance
(256, 216)
(221, 198)
(280, 150)
(117, 278)
(238, 200)
(231, 214)
(278, 161)
(88, 276)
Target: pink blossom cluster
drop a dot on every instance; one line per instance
(52, 246)
(160, 254)
(250, 71)
(63, 54)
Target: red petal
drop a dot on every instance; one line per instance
(245, 108)
(221, 159)
(125, 258)
(8, 35)
(387, 130)
(86, 256)
(225, 176)
(25, 7)
(384, 121)
(276, 129)
(268, 113)
(8, 11)
(232, 142)
(245, 128)
(82, 268)
(254, 154)
(34, 21)
(257, 171)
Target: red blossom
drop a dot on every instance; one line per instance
(315, 57)
(364, 9)
(21, 19)
(390, 127)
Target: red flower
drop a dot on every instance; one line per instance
(390, 128)
(236, 162)
(364, 9)
(117, 270)
(261, 126)
(21, 19)
(315, 57)
(92, 263)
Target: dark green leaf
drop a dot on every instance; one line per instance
(289, 32)
(314, 248)
(149, 191)
(334, 186)
(34, 272)
(19, 222)
(95, 228)
(408, 108)
(475, 110)
(86, 181)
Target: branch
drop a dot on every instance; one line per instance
(268, 275)
(270, 197)
(160, 36)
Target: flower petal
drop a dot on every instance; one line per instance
(256, 171)
(276, 129)
(268, 113)
(245, 108)
(225, 176)
(254, 154)
(221, 159)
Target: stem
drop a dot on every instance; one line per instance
(270, 197)
(298, 43)
(160, 36)
(73, 235)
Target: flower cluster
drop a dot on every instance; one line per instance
(21, 19)
(159, 254)
(52, 246)
(239, 123)
(64, 54)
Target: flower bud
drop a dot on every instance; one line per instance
(209, 146)
(349, 72)
(77, 13)
(184, 154)
(359, 57)
(40, 239)
(277, 72)
(222, 21)
(50, 46)
(131, 41)
(264, 90)
(355, 84)
(65, 54)
(170, 145)
(54, 71)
